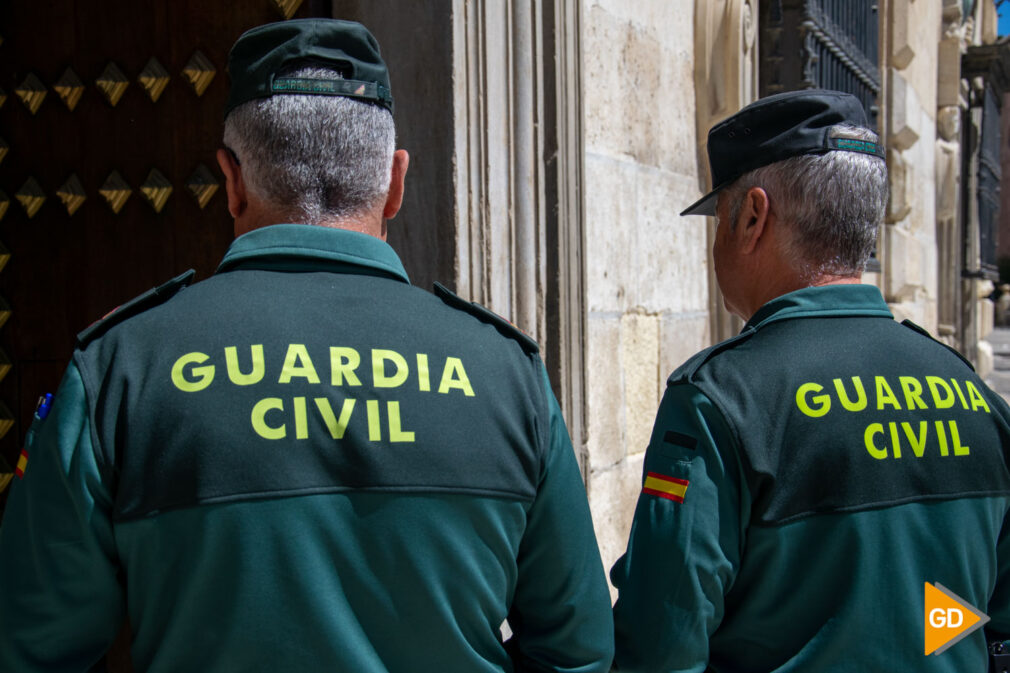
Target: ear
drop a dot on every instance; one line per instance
(755, 215)
(396, 180)
(234, 185)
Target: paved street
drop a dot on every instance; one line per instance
(999, 379)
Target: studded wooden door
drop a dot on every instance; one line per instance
(110, 115)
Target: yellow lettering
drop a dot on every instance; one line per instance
(379, 359)
(343, 362)
(871, 430)
(955, 438)
(235, 373)
(298, 363)
(423, 377)
(259, 422)
(964, 402)
(941, 433)
(843, 397)
(977, 401)
(918, 443)
(895, 444)
(454, 376)
(301, 419)
(374, 422)
(935, 383)
(913, 392)
(803, 403)
(395, 433)
(205, 374)
(336, 427)
(885, 395)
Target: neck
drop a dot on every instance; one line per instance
(259, 215)
(767, 289)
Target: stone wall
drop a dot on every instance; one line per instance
(646, 267)
(909, 242)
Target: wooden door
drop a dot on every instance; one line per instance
(110, 115)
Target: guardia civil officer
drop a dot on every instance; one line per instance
(304, 463)
(806, 479)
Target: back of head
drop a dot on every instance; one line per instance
(315, 158)
(309, 118)
(831, 205)
(821, 167)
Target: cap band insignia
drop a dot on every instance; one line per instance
(331, 87)
(854, 145)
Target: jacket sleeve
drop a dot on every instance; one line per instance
(61, 604)
(560, 617)
(685, 543)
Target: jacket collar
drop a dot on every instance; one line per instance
(822, 301)
(301, 247)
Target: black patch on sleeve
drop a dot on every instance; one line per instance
(149, 299)
(680, 439)
(485, 315)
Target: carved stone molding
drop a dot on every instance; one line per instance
(725, 78)
(518, 172)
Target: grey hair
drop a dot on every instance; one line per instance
(316, 158)
(833, 204)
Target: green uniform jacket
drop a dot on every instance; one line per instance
(803, 482)
(303, 464)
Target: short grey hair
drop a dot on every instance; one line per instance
(833, 204)
(316, 158)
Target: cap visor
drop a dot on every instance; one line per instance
(703, 206)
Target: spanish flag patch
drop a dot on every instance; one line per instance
(19, 471)
(665, 487)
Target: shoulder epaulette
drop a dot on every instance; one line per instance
(484, 315)
(686, 371)
(151, 298)
(921, 330)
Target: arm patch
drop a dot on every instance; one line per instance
(149, 299)
(504, 327)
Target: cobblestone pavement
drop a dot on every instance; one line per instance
(999, 379)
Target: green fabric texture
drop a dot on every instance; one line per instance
(280, 546)
(814, 515)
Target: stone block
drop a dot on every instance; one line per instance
(604, 392)
(903, 265)
(898, 205)
(984, 360)
(986, 317)
(948, 79)
(613, 494)
(638, 83)
(639, 251)
(904, 111)
(902, 33)
(681, 336)
(640, 363)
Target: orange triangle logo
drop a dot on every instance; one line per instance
(948, 618)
